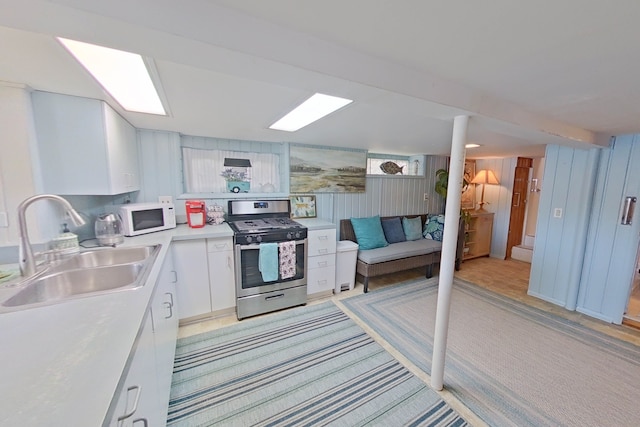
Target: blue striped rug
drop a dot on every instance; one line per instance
(305, 366)
(510, 363)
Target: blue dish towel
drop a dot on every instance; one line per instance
(268, 261)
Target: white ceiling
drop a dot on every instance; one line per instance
(529, 73)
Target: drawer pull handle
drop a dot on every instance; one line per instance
(322, 264)
(170, 307)
(274, 297)
(135, 403)
(221, 246)
(322, 282)
(325, 237)
(323, 251)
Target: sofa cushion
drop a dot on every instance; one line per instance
(393, 231)
(434, 227)
(369, 232)
(412, 228)
(399, 251)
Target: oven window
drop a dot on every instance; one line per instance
(251, 276)
(150, 218)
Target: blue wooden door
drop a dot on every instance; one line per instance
(611, 247)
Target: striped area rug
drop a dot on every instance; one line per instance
(510, 363)
(306, 366)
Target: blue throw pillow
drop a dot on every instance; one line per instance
(369, 232)
(412, 228)
(434, 228)
(393, 231)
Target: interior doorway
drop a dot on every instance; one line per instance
(518, 203)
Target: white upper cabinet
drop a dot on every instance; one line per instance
(84, 146)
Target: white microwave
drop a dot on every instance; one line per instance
(142, 218)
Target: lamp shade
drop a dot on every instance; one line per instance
(485, 176)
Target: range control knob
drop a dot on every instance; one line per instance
(289, 235)
(249, 239)
(259, 239)
(297, 234)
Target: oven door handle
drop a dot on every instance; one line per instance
(256, 246)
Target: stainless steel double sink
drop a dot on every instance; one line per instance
(89, 273)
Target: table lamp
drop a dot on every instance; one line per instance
(485, 176)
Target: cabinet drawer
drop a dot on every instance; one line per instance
(321, 261)
(321, 279)
(322, 242)
(219, 245)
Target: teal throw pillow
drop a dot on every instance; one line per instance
(434, 228)
(393, 231)
(369, 232)
(412, 228)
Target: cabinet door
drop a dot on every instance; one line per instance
(85, 147)
(191, 266)
(137, 398)
(122, 149)
(165, 329)
(222, 280)
(484, 226)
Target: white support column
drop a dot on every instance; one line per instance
(449, 244)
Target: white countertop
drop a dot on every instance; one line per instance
(315, 223)
(60, 364)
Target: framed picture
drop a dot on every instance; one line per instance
(303, 206)
(316, 169)
(468, 199)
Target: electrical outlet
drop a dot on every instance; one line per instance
(165, 199)
(426, 197)
(4, 220)
(557, 213)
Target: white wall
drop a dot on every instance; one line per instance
(533, 199)
(563, 221)
(161, 173)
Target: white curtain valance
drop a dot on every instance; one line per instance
(202, 169)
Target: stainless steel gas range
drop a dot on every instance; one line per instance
(270, 256)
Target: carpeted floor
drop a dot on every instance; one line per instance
(304, 366)
(511, 364)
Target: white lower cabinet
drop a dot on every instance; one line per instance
(206, 281)
(164, 312)
(321, 273)
(221, 274)
(143, 395)
(137, 396)
(321, 260)
(191, 264)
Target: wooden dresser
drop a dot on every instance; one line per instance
(478, 235)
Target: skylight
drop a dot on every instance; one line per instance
(314, 108)
(123, 74)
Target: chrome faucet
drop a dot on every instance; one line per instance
(27, 262)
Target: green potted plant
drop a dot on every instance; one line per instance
(442, 181)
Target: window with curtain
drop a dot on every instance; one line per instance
(202, 169)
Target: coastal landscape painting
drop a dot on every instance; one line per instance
(327, 170)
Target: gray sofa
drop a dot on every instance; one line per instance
(398, 256)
